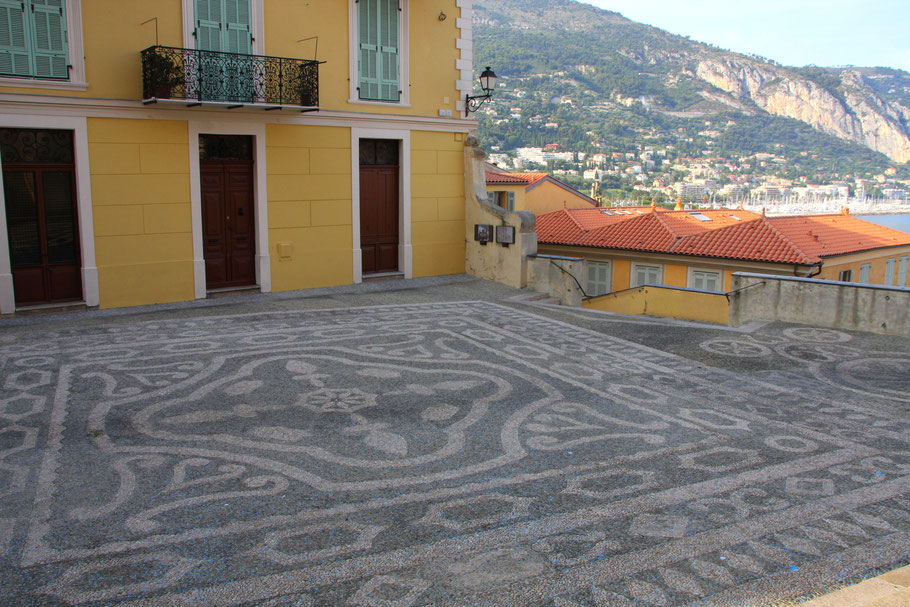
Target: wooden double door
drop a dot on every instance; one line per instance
(379, 201)
(39, 190)
(228, 223)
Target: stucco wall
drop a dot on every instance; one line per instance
(665, 301)
(823, 303)
(558, 277)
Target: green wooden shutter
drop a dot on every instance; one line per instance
(379, 43)
(14, 40)
(369, 49)
(50, 39)
(389, 87)
(208, 25)
(238, 30)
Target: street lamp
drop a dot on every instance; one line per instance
(487, 85)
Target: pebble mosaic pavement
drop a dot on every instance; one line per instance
(442, 454)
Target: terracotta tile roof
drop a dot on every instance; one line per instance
(514, 178)
(642, 233)
(724, 233)
(827, 235)
(755, 240)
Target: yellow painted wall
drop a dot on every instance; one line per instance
(656, 301)
(309, 187)
(834, 266)
(113, 39)
(141, 206)
(437, 203)
(676, 275)
(622, 274)
(548, 196)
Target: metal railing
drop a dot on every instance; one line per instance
(198, 76)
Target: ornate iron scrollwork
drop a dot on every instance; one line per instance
(195, 75)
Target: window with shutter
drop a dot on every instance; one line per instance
(225, 26)
(598, 278)
(864, 271)
(378, 25)
(33, 39)
(645, 275)
(902, 273)
(705, 281)
(889, 271)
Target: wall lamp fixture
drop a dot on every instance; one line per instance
(487, 85)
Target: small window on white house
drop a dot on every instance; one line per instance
(864, 271)
(598, 278)
(645, 275)
(889, 271)
(705, 280)
(902, 272)
(846, 276)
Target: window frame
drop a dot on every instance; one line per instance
(634, 272)
(404, 80)
(845, 276)
(589, 265)
(902, 271)
(865, 273)
(690, 279)
(75, 57)
(257, 25)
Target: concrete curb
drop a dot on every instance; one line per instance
(889, 590)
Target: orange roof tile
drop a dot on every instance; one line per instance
(827, 235)
(724, 233)
(755, 240)
(514, 178)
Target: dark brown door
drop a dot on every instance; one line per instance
(379, 205)
(43, 233)
(228, 229)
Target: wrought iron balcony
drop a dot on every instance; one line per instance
(196, 77)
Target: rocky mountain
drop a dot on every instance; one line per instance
(580, 51)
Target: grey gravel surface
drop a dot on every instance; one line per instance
(442, 442)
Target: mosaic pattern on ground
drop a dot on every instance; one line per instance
(441, 454)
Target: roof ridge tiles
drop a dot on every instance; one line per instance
(800, 252)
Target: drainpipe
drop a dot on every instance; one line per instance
(818, 270)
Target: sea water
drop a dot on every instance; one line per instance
(897, 222)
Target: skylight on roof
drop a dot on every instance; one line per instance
(735, 217)
(605, 212)
(700, 216)
(639, 212)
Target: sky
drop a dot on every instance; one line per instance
(792, 32)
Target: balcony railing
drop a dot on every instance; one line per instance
(197, 76)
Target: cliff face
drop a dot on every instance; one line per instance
(859, 116)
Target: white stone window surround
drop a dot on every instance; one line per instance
(257, 25)
(79, 126)
(690, 281)
(405, 249)
(260, 199)
(404, 55)
(75, 56)
(634, 273)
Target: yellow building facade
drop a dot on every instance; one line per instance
(136, 178)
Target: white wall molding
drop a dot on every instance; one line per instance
(260, 196)
(79, 127)
(465, 63)
(29, 104)
(405, 247)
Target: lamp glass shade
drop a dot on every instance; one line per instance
(488, 81)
